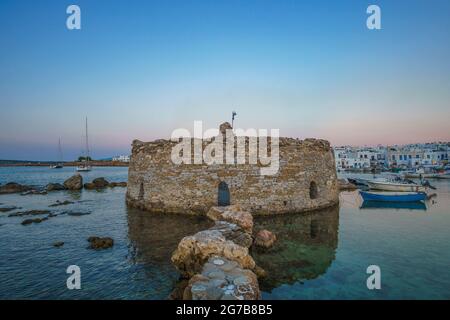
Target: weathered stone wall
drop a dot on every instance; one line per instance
(156, 184)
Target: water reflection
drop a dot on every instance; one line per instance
(305, 247)
(154, 237)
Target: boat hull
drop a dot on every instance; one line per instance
(387, 186)
(417, 205)
(394, 197)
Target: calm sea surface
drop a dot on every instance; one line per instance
(323, 255)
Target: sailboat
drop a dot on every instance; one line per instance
(58, 165)
(85, 166)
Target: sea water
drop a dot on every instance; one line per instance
(319, 255)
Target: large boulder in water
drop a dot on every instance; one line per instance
(98, 243)
(13, 187)
(265, 239)
(74, 183)
(98, 183)
(55, 187)
(194, 251)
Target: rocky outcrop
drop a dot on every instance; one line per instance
(194, 251)
(102, 183)
(217, 260)
(265, 239)
(98, 243)
(36, 220)
(7, 209)
(54, 187)
(58, 244)
(13, 187)
(222, 279)
(74, 183)
(61, 203)
(117, 184)
(233, 214)
(29, 213)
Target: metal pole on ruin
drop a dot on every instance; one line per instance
(233, 114)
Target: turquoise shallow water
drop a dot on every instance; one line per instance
(321, 255)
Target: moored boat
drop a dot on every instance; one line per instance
(395, 186)
(393, 196)
(416, 205)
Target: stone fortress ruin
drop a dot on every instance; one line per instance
(306, 179)
(216, 263)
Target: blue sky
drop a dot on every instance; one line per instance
(140, 69)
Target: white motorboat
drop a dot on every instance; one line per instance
(385, 185)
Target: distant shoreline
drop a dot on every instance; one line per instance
(66, 164)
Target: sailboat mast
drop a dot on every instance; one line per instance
(87, 142)
(60, 150)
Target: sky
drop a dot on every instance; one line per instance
(141, 69)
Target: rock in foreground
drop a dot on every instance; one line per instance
(98, 243)
(233, 214)
(222, 279)
(74, 183)
(194, 251)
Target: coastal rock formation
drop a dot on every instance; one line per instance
(61, 203)
(265, 239)
(98, 243)
(74, 183)
(29, 213)
(222, 279)
(117, 184)
(98, 183)
(54, 187)
(36, 220)
(7, 209)
(233, 214)
(194, 251)
(13, 187)
(233, 233)
(306, 179)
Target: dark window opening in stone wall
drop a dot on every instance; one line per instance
(224, 195)
(313, 191)
(141, 191)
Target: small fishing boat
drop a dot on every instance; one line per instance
(416, 205)
(398, 186)
(393, 196)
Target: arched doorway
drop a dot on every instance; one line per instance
(224, 195)
(313, 191)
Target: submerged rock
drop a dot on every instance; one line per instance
(7, 209)
(54, 187)
(118, 184)
(61, 203)
(58, 244)
(29, 213)
(74, 183)
(78, 213)
(13, 187)
(233, 214)
(222, 279)
(36, 220)
(265, 239)
(194, 251)
(98, 243)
